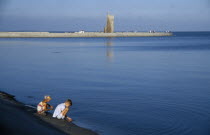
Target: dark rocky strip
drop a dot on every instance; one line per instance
(18, 119)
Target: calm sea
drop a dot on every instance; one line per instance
(119, 86)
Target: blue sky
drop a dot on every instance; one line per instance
(74, 15)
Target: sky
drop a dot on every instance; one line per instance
(90, 15)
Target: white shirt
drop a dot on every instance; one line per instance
(58, 110)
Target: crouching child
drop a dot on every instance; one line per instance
(43, 106)
(62, 109)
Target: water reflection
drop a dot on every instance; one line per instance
(109, 49)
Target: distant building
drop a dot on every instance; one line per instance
(110, 24)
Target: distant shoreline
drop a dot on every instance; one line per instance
(18, 118)
(86, 34)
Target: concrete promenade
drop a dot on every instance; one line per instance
(86, 34)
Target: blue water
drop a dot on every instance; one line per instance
(119, 86)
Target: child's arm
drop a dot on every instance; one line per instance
(49, 107)
(65, 111)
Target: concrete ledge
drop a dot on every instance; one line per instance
(86, 34)
(19, 119)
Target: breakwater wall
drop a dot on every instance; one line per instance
(86, 34)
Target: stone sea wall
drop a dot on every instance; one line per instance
(86, 34)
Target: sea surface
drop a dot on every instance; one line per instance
(119, 86)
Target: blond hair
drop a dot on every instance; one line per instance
(47, 97)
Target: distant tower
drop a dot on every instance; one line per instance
(110, 24)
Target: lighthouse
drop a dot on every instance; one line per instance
(110, 24)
